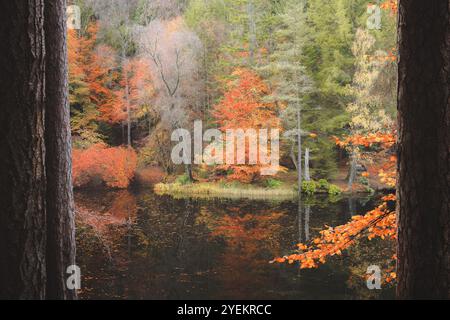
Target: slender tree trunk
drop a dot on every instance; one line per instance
(292, 155)
(300, 218)
(352, 173)
(206, 79)
(423, 192)
(299, 154)
(150, 123)
(122, 124)
(60, 208)
(351, 206)
(188, 170)
(128, 115)
(299, 173)
(307, 218)
(307, 175)
(22, 163)
(127, 101)
(251, 31)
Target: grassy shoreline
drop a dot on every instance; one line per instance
(213, 189)
(239, 191)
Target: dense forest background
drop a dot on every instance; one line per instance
(140, 69)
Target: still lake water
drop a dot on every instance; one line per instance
(138, 245)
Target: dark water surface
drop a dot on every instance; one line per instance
(138, 245)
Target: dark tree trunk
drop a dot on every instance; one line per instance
(423, 149)
(22, 165)
(60, 208)
(36, 218)
(188, 170)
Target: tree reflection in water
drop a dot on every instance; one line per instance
(164, 248)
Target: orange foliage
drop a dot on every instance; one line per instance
(113, 166)
(386, 169)
(136, 76)
(391, 57)
(77, 50)
(380, 222)
(386, 140)
(391, 5)
(242, 107)
(93, 66)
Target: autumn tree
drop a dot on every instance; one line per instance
(91, 82)
(366, 110)
(243, 107)
(115, 18)
(134, 93)
(173, 51)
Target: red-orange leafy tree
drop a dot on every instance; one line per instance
(91, 79)
(135, 90)
(243, 107)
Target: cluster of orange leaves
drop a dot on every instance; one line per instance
(245, 51)
(386, 172)
(391, 5)
(242, 107)
(387, 140)
(136, 77)
(114, 166)
(91, 66)
(390, 57)
(377, 223)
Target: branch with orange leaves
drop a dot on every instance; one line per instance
(386, 140)
(379, 222)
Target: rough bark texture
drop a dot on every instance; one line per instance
(22, 167)
(423, 152)
(60, 208)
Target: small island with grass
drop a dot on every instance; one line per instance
(280, 187)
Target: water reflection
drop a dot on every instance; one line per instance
(161, 248)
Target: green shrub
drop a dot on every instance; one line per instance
(273, 183)
(334, 190)
(323, 184)
(183, 179)
(364, 181)
(309, 187)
